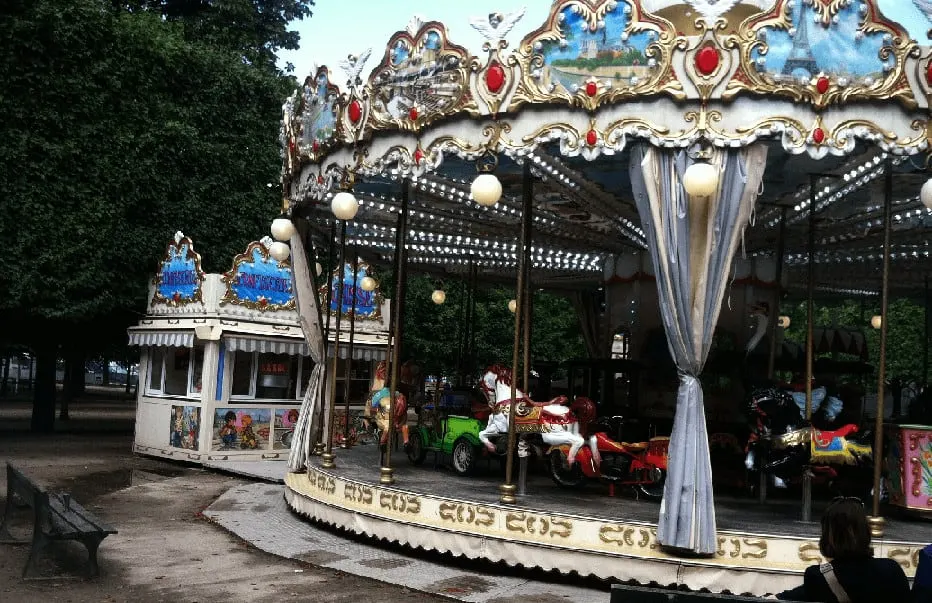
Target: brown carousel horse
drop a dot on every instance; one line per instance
(380, 404)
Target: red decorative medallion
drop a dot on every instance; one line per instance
(591, 88)
(929, 74)
(495, 77)
(176, 296)
(355, 111)
(412, 113)
(263, 302)
(707, 60)
(822, 85)
(418, 155)
(591, 138)
(818, 135)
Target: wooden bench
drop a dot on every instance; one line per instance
(56, 517)
(623, 593)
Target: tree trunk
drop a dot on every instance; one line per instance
(105, 379)
(6, 376)
(43, 404)
(73, 383)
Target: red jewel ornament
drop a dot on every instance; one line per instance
(412, 114)
(591, 88)
(591, 138)
(929, 74)
(355, 111)
(418, 155)
(176, 296)
(818, 135)
(315, 146)
(495, 77)
(707, 60)
(320, 179)
(263, 302)
(822, 85)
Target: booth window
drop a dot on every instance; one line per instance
(175, 371)
(266, 376)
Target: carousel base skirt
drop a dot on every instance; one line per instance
(762, 549)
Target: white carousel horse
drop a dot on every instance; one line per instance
(555, 423)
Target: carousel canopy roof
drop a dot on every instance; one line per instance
(835, 90)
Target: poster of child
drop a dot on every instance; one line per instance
(241, 429)
(184, 425)
(285, 421)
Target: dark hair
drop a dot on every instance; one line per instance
(845, 533)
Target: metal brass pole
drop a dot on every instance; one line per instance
(349, 351)
(321, 445)
(925, 337)
(775, 313)
(474, 279)
(387, 473)
(806, 514)
(327, 457)
(876, 521)
(508, 489)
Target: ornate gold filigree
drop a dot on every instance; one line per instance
(231, 278)
(422, 77)
(466, 513)
(530, 523)
(317, 95)
(400, 503)
(749, 40)
(358, 493)
(809, 552)
(653, 78)
(618, 534)
(180, 245)
(902, 556)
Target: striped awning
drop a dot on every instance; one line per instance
(292, 347)
(360, 351)
(178, 339)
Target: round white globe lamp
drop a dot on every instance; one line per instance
(344, 206)
(282, 229)
(486, 190)
(279, 251)
(368, 283)
(876, 321)
(784, 322)
(438, 296)
(925, 194)
(513, 305)
(700, 179)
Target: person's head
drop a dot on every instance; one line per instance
(845, 533)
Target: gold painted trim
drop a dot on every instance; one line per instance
(230, 276)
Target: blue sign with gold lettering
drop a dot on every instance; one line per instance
(179, 278)
(259, 281)
(346, 285)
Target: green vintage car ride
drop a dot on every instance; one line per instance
(452, 435)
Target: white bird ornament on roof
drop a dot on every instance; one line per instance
(353, 65)
(496, 26)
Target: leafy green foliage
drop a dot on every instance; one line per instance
(120, 128)
(905, 331)
(434, 332)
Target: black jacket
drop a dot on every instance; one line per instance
(867, 580)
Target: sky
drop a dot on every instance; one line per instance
(342, 27)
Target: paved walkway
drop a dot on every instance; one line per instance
(258, 513)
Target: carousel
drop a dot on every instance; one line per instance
(676, 168)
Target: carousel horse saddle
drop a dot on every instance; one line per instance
(835, 447)
(606, 444)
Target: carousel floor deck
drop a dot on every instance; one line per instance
(762, 548)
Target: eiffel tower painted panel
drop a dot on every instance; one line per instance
(841, 50)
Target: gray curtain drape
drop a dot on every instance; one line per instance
(692, 243)
(311, 416)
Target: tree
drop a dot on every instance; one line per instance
(255, 29)
(120, 129)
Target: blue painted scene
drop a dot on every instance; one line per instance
(345, 287)
(319, 118)
(608, 53)
(241, 429)
(809, 48)
(179, 278)
(262, 281)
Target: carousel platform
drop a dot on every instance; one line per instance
(763, 549)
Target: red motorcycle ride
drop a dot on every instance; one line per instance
(641, 465)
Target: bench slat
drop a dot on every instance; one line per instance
(75, 518)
